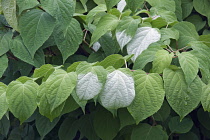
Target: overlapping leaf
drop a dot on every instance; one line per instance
(36, 27)
(3, 100)
(22, 99)
(183, 98)
(68, 40)
(149, 95)
(126, 30)
(62, 10)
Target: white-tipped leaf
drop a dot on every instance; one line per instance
(118, 91)
(141, 41)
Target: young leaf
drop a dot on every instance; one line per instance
(141, 41)
(118, 91)
(36, 27)
(126, 30)
(62, 10)
(146, 56)
(180, 127)
(105, 125)
(3, 100)
(3, 64)
(107, 23)
(183, 98)
(148, 132)
(149, 95)
(59, 86)
(187, 33)
(68, 40)
(5, 42)
(162, 60)
(43, 71)
(9, 9)
(26, 4)
(189, 65)
(134, 4)
(22, 99)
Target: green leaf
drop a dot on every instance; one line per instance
(90, 83)
(178, 10)
(182, 98)
(189, 65)
(125, 118)
(134, 4)
(108, 44)
(162, 60)
(99, 2)
(22, 99)
(200, 51)
(43, 71)
(44, 125)
(148, 132)
(205, 39)
(68, 129)
(81, 103)
(146, 56)
(149, 95)
(118, 90)
(59, 86)
(3, 64)
(5, 42)
(92, 13)
(62, 10)
(189, 136)
(205, 98)
(36, 27)
(9, 9)
(169, 33)
(102, 121)
(180, 127)
(204, 118)
(163, 113)
(115, 60)
(68, 40)
(26, 4)
(187, 33)
(202, 6)
(187, 7)
(141, 41)
(3, 100)
(126, 30)
(168, 5)
(197, 21)
(111, 3)
(107, 23)
(4, 126)
(45, 107)
(86, 127)
(168, 17)
(70, 105)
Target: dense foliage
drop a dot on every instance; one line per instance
(105, 69)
